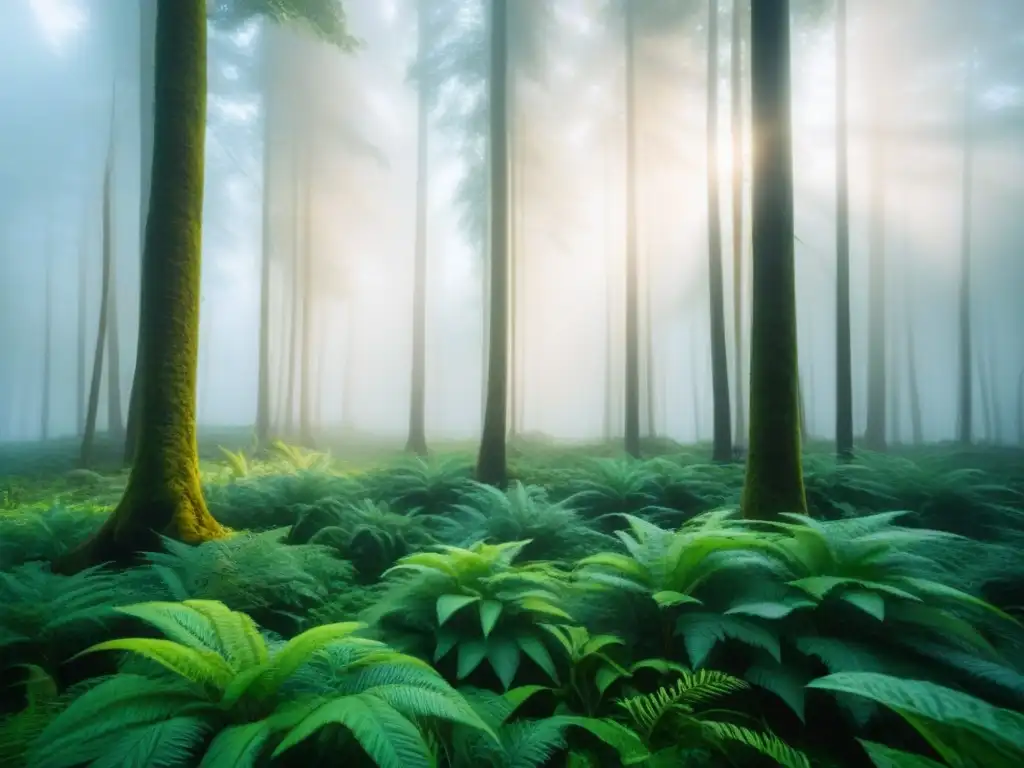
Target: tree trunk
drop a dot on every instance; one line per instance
(996, 433)
(85, 459)
(722, 434)
(913, 388)
(417, 442)
(844, 356)
(738, 11)
(492, 463)
(147, 96)
(115, 418)
(44, 414)
(306, 334)
(985, 391)
(774, 479)
(1020, 408)
(803, 411)
(966, 394)
(632, 379)
(348, 374)
(514, 248)
(163, 495)
(875, 432)
(295, 310)
(263, 406)
(83, 291)
(649, 368)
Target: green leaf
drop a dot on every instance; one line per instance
(769, 609)
(388, 738)
(667, 598)
(538, 653)
(490, 612)
(471, 654)
(239, 746)
(503, 656)
(448, 605)
(887, 757)
(871, 603)
(191, 664)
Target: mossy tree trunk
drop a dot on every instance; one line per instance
(722, 428)
(492, 461)
(739, 11)
(163, 495)
(632, 372)
(844, 355)
(774, 479)
(417, 440)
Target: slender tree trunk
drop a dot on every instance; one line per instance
(611, 345)
(738, 12)
(1020, 408)
(513, 254)
(803, 412)
(492, 463)
(649, 365)
(349, 373)
(147, 95)
(913, 388)
(163, 495)
(295, 310)
(306, 334)
(44, 415)
(996, 432)
(774, 479)
(417, 442)
(83, 311)
(115, 418)
(632, 379)
(89, 435)
(985, 391)
(875, 432)
(722, 436)
(895, 402)
(844, 357)
(966, 394)
(263, 406)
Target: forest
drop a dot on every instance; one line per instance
(511, 383)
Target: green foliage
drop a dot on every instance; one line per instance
(222, 680)
(475, 605)
(964, 731)
(554, 530)
(324, 18)
(422, 486)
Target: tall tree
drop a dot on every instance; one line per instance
(44, 415)
(632, 369)
(875, 432)
(739, 11)
(722, 434)
(89, 432)
(83, 290)
(965, 401)
(115, 418)
(417, 440)
(844, 355)
(492, 464)
(163, 495)
(774, 478)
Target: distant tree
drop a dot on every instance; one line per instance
(844, 364)
(163, 495)
(492, 462)
(417, 439)
(89, 432)
(774, 479)
(965, 401)
(44, 415)
(722, 431)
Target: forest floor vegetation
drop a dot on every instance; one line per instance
(374, 609)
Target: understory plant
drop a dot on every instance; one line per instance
(219, 692)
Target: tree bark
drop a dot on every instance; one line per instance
(632, 372)
(774, 478)
(115, 418)
(738, 12)
(417, 440)
(492, 461)
(163, 495)
(722, 433)
(844, 356)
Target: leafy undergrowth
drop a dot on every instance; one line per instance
(599, 612)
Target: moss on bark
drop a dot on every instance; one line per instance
(164, 496)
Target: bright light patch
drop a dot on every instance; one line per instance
(60, 20)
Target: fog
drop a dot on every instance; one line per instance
(311, 154)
